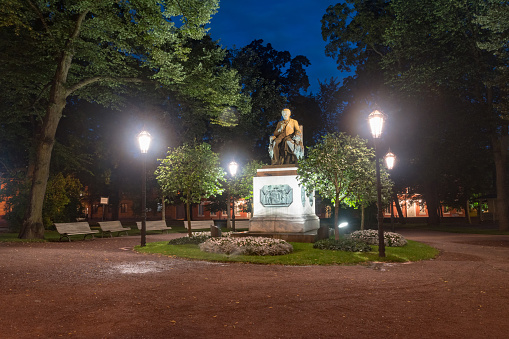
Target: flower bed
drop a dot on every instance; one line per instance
(246, 246)
(346, 245)
(370, 237)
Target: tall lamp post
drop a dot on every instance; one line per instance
(144, 139)
(390, 159)
(376, 123)
(232, 167)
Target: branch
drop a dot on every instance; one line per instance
(41, 17)
(77, 27)
(376, 51)
(92, 80)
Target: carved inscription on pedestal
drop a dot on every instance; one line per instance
(276, 195)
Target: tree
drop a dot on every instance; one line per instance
(366, 192)
(419, 56)
(95, 50)
(272, 79)
(338, 168)
(193, 171)
(241, 186)
(440, 54)
(238, 187)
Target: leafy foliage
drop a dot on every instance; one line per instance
(340, 168)
(347, 245)
(192, 171)
(54, 51)
(62, 200)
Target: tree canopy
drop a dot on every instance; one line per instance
(339, 168)
(191, 172)
(435, 66)
(53, 51)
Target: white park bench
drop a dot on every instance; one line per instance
(66, 229)
(154, 225)
(199, 224)
(112, 226)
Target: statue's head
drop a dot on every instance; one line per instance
(286, 114)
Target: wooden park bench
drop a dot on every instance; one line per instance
(66, 229)
(198, 224)
(112, 226)
(154, 225)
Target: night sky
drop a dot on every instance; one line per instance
(288, 25)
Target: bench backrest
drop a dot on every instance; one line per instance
(71, 227)
(110, 225)
(152, 224)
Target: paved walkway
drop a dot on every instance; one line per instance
(102, 289)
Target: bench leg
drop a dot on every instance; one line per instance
(64, 236)
(85, 236)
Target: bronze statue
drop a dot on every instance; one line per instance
(285, 146)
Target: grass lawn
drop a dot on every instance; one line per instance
(303, 254)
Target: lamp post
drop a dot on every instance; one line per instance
(232, 167)
(144, 139)
(390, 159)
(376, 122)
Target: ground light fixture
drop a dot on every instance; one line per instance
(144, 140)
(343, 224)
(376, 123)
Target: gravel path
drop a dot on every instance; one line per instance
(103, 289)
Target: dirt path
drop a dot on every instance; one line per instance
(102, 289)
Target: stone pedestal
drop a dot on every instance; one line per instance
(280, 204)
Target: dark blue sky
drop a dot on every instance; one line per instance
(288, 25)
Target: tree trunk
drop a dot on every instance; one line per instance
(188, 211)
(336, 219)
(363, 210)
(467, 212)
(163, 211)
(398, 208)
(500, 156)
(33, 227)
(432, 203)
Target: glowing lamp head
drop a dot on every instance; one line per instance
(343, 224)
(233, 166)
(390, 159)
(376, 123)
(144, 139)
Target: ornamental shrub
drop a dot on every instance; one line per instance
(347, 245)
(370, 237)
(195, 238)
(246, 246)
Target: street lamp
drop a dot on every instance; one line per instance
(390, 159)
(233, 166)
(376, 122)
(144, 139)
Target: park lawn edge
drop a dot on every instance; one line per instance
(304, 254)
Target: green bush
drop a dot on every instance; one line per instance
(347, 245)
